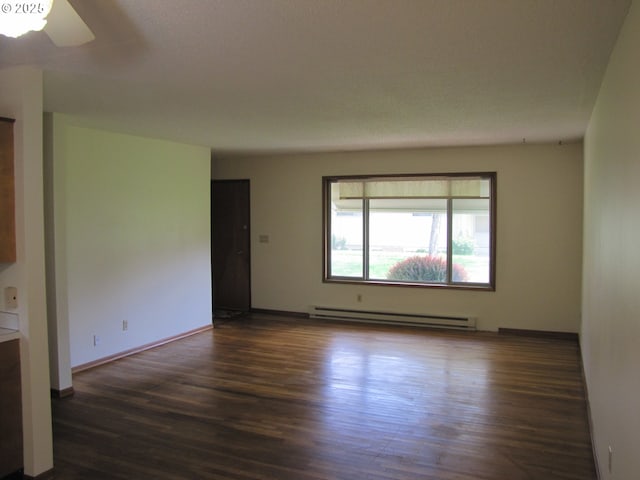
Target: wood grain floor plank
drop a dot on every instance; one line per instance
(268, 397)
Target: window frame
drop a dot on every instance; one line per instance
(327, 181)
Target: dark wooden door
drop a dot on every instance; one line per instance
(230, 245)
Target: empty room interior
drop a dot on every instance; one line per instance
(320, 239)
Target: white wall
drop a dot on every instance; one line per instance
(21, 99)
(57, 316)
(538, 245)
(132, 238)
(610, 333)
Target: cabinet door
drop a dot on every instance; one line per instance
(10, 408)
(7, 194)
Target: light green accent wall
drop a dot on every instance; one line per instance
(136, 236)
(538, 244)
(611, 301)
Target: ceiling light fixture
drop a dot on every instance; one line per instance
(20, 17)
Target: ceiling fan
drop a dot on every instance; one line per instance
(57, 18)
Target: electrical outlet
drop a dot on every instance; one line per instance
(359, 297)
(125, 325)
(11, 297)
(96, 340)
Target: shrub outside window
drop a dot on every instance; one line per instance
(417, 230)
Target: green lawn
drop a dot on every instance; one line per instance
(348, 263)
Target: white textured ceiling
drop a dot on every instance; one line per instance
(254, 76)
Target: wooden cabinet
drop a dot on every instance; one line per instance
(7, 193)
(10, 408)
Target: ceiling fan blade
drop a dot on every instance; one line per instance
(65, 27)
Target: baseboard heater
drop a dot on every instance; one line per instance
(410, 319)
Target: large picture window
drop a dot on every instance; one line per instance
(418, 230)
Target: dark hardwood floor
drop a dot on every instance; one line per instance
(266, 397)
